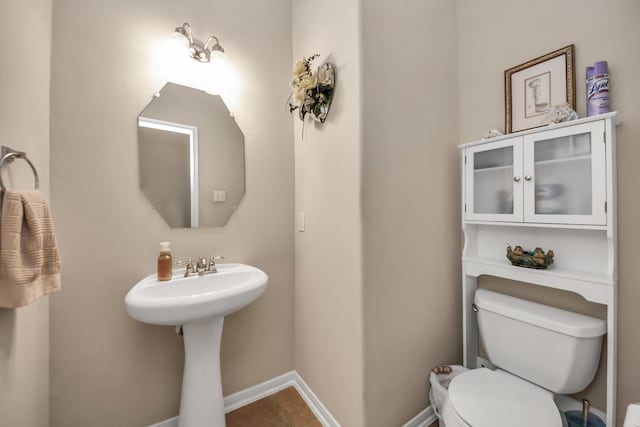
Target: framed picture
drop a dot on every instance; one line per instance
(532, 89)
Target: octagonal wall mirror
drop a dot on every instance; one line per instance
(191, 154)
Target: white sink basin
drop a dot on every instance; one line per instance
(184, 299)
(199, 304)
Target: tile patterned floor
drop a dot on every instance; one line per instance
(282, 409)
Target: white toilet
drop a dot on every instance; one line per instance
(539, 350)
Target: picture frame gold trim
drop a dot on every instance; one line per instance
(510, 110)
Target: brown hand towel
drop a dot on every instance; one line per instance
(29, 258)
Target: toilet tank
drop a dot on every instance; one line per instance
(553, 348)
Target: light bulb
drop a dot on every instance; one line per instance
(179, 42)
(218, 56)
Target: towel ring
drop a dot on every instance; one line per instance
(10, 156)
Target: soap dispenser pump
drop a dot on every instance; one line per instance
(165, 262)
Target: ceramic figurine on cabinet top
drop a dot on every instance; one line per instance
(559, 114)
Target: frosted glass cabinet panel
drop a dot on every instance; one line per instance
(562, 166)
(564, 173)
(493, 173)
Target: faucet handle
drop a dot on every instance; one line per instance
(212, 263)
(189, 266)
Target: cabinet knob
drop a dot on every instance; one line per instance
(516, 178)
(528, 178)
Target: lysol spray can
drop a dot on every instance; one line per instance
(598, 89)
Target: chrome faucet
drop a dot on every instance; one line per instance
(189, 268)
(212, 264)
(201, 267)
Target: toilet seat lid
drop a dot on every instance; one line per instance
(485, 398)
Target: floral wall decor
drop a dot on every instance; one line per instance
(312, 91)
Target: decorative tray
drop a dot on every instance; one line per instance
(529, 259)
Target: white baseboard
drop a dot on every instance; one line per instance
(171, 422)
(424, 419)
(258, 391)
(267, 388)
(319, 410)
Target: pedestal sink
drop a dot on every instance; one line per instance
(199, 304)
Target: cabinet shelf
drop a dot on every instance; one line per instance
(593, 286)
(538, 225)
(563, 160)
(541, 162)
(613, 116)
(493, 168)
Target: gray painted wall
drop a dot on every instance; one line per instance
(328, 297)
(24, 126)
(411, 203)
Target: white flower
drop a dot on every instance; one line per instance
(308, 82)
(298, 96)
(300, 68)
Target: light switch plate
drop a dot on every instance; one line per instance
(300, 221)
(219, 195)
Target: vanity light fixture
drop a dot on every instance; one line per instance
(211, 51)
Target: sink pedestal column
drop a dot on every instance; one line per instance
(202, 403)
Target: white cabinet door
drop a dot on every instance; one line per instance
(493, 175)
(564, 175)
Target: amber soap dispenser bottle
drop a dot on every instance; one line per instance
(165, 262)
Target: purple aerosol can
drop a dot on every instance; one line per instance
(598, 89)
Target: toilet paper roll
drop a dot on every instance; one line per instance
(632, 419)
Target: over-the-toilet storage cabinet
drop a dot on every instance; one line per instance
(552, 187)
